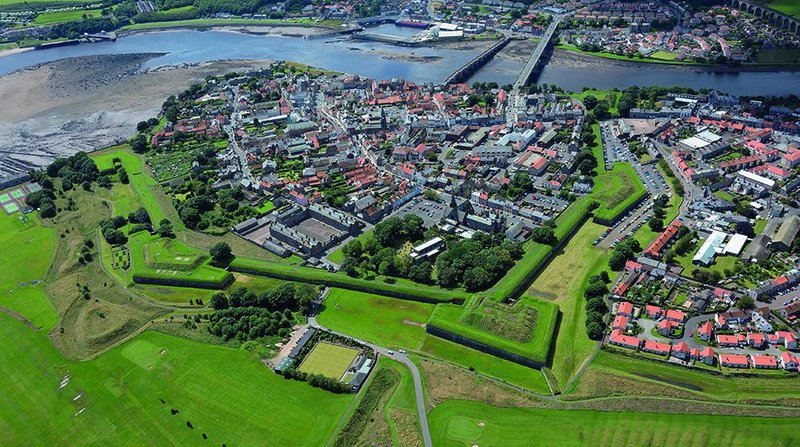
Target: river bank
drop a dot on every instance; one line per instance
(623, 60)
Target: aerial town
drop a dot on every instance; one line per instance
(400, 223)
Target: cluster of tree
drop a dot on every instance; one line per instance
(707, 276)
(200, 210)
(236, 7)
(221, 254)
(140, 220)
(682, 245)
(245, 315)
(75, 29)
(676, 184)
(43, 200)
(111, 230)
(623, 252)
(167, 16)
(317, 381)
(596, 306)
(477, 263)
(544, 234)
(378, 254)
(632, 96)
(369, 8)
(85, 255)
(598, 110)
(76, 169)
(519, 184)
(249, 323)
(288, 296)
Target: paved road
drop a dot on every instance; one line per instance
(402, 358)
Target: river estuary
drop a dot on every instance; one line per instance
(382, 61)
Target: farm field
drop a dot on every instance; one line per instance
(563, 283)
(385, 321)
(32, 247)
(461, 423)
(122, 393)
(329, 360)
(51, 18)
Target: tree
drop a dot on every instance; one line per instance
(421, 273)
(594, 330)
(449, 277)
(165, 228)
(47, 209)
(139, 143)
(544, 235)
(745, 303)
(221, 254)
(655, 224)
(353, 249)
(590, 102)
(476, 279)
(219, 301)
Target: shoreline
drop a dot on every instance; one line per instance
(13, 51)
(711, 68)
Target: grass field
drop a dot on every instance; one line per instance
(225, 393)
(788, 7)
(461, 423)
(384, 321)
(254, 266)
(486, 364)
(563, 283)
(142, 184)
(328, 360)
(449, 317)
(705, 385)
(616, 191)
(27, 252)
(51, 18)
(151, 258)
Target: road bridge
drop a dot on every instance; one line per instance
(463, 73)
(533, 63)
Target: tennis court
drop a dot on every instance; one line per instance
(329, 360)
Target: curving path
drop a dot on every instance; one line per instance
(404, 359)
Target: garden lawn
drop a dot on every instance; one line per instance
(461, 423)
(337, 256)
(563, 283)
(329, 360)
(225, 393)
(54, 17)
(27, 251)
(388, 322)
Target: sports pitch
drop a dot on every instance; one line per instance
(329, 360)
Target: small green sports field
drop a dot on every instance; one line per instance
(329, 360)
(461, 423)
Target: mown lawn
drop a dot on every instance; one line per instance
(462, 423)
(128, 394)
(381, 320)
(54, 17)
(563, 283)
(27, 250)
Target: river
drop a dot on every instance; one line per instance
(380, 61)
